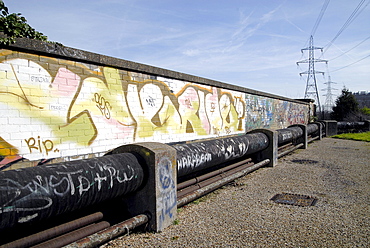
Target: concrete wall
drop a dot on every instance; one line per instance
(60, 104)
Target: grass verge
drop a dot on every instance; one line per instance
(354, 136)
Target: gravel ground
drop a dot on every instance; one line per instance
(241, 214)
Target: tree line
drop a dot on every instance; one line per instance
(347, 108)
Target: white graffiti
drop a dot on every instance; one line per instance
(286, 136)
(194, 160)
(43, 189)
(231, 152)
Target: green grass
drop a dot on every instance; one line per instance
(354, 136)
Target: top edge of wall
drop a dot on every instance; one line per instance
(60, 51)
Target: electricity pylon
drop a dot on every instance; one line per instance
(329, 103)
(311, 86)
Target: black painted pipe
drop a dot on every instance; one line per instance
(312, 128)
(289, 134)
(197, 156)
(323, 127)
(36, 193)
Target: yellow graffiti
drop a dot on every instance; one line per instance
(7, 150)
(77, 106)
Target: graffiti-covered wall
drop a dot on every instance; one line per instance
(56, 109)
(265, 112)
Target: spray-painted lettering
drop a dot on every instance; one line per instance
(41, 190)
(103, 105)
(194, 160)
(39, 145)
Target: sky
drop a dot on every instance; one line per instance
(253, 44)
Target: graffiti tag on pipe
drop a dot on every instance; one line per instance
(40, 190)
(193, 160)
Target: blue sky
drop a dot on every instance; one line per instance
(254, 44)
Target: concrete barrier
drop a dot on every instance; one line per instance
(157, 196)
(331, 127)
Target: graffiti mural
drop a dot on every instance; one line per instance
(264, 112)
(55, 108)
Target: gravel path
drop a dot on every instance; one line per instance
(241, 214)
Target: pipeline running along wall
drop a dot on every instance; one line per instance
(61, 108)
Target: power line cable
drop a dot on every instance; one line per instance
(352, 63)
(318, 20)
(351, 48)
(323, 9)
(350, 19)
